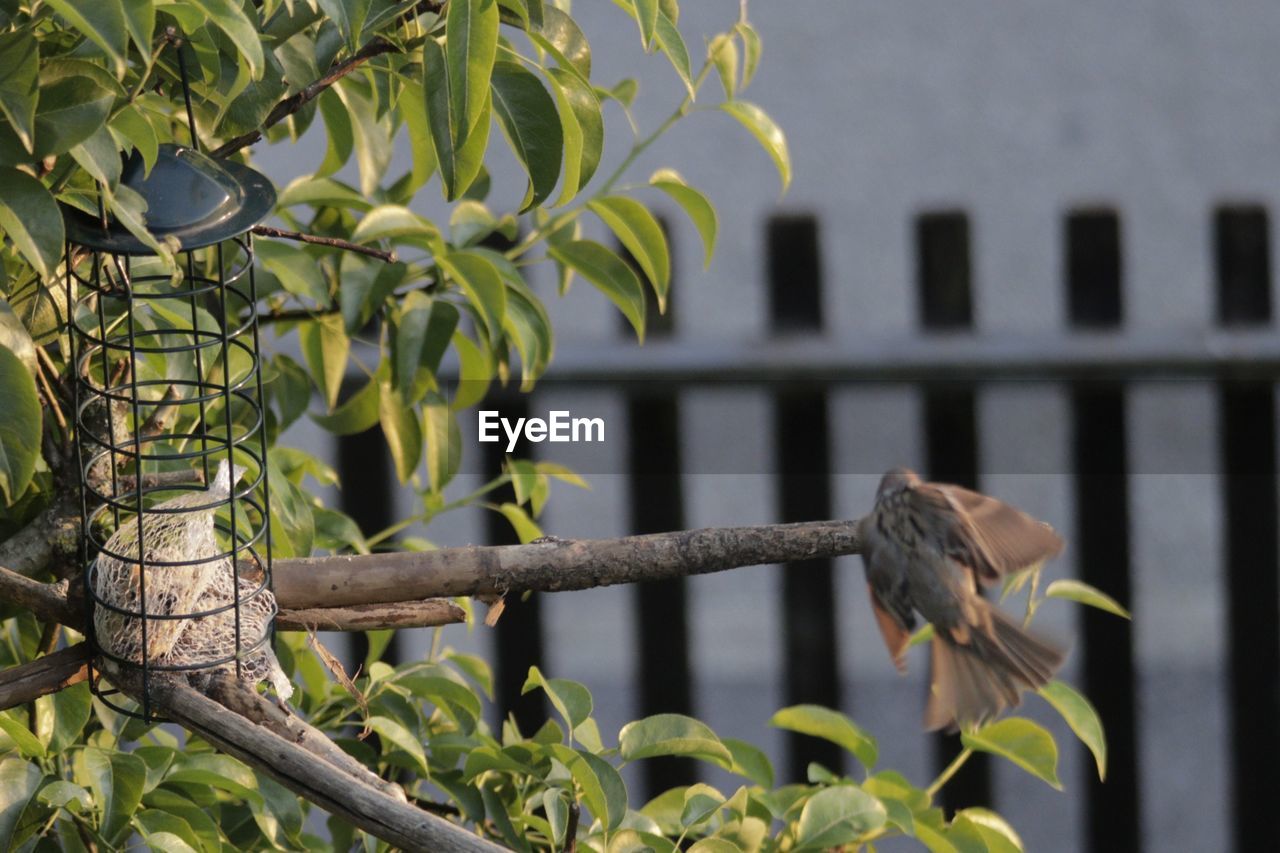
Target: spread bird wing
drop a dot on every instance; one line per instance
(985, 534)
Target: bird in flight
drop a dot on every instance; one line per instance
(927, 548)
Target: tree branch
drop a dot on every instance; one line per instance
(42, 676)
(301, 98)
(330, 242)
(48, 601)
(239, 697)
(554, 566)
(304, 773)
(51, 534)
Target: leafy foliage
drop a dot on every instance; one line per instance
(84, 84)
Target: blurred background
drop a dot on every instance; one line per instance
(1028, 248)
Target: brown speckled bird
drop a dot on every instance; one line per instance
(182, 530)
(927, 547)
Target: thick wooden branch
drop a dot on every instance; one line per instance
(554, 566)
(307, 775)
(52, 533)
(48, 601)
(371, 617)
(239, 697)
(42, 676)
(302, 97)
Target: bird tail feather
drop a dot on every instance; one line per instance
(973, 682)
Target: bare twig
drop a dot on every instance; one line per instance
(301, 98)
(42, 676)
(161, 417)
(331, 242)
(371, 617)
(306, 774)
(554, 566)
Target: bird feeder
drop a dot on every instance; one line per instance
(168, 385)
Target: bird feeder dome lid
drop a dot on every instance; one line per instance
(190, 197)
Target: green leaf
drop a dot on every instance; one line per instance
(459, 160)
(19, 781)
(995, 831)
(723, 52)
(700, 802)
(444, 442)
(646, 12)
(116, 779)
(103, 23)
(583, 127)
(672, 734)
(1021, 741)
(471, 33)
(422, 337)
(27, 743)
(30, 218)
(365, 286)
(602, 786)
(325, 346)
(750, 761)
(401, 737)
(71, 709)
(1083, 719)
(341, 137)
(474, 374)
(524, 526)
(63, 794)
(322, 192)
(640, 232)
(836, 816)
(766, 132)
(15, 337)
(751, 50)
(358, 413)
(397, 223)
(696, 205)
(75, 100)
(672, 44)
(561, 37)
(608, 273)
(291, 388)
(829, 725)
(349, 17)
(228, 16)
(569, 698)
(140, 19)
(414, 112)
(20, 426)
(297, 270)
(529, 120)
(19, 70)
(479, 280)
(1081, 592)
(164, 831)
(403, 431)
(100, 157)
(131, 126)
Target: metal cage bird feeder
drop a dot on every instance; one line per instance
(168, 384)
